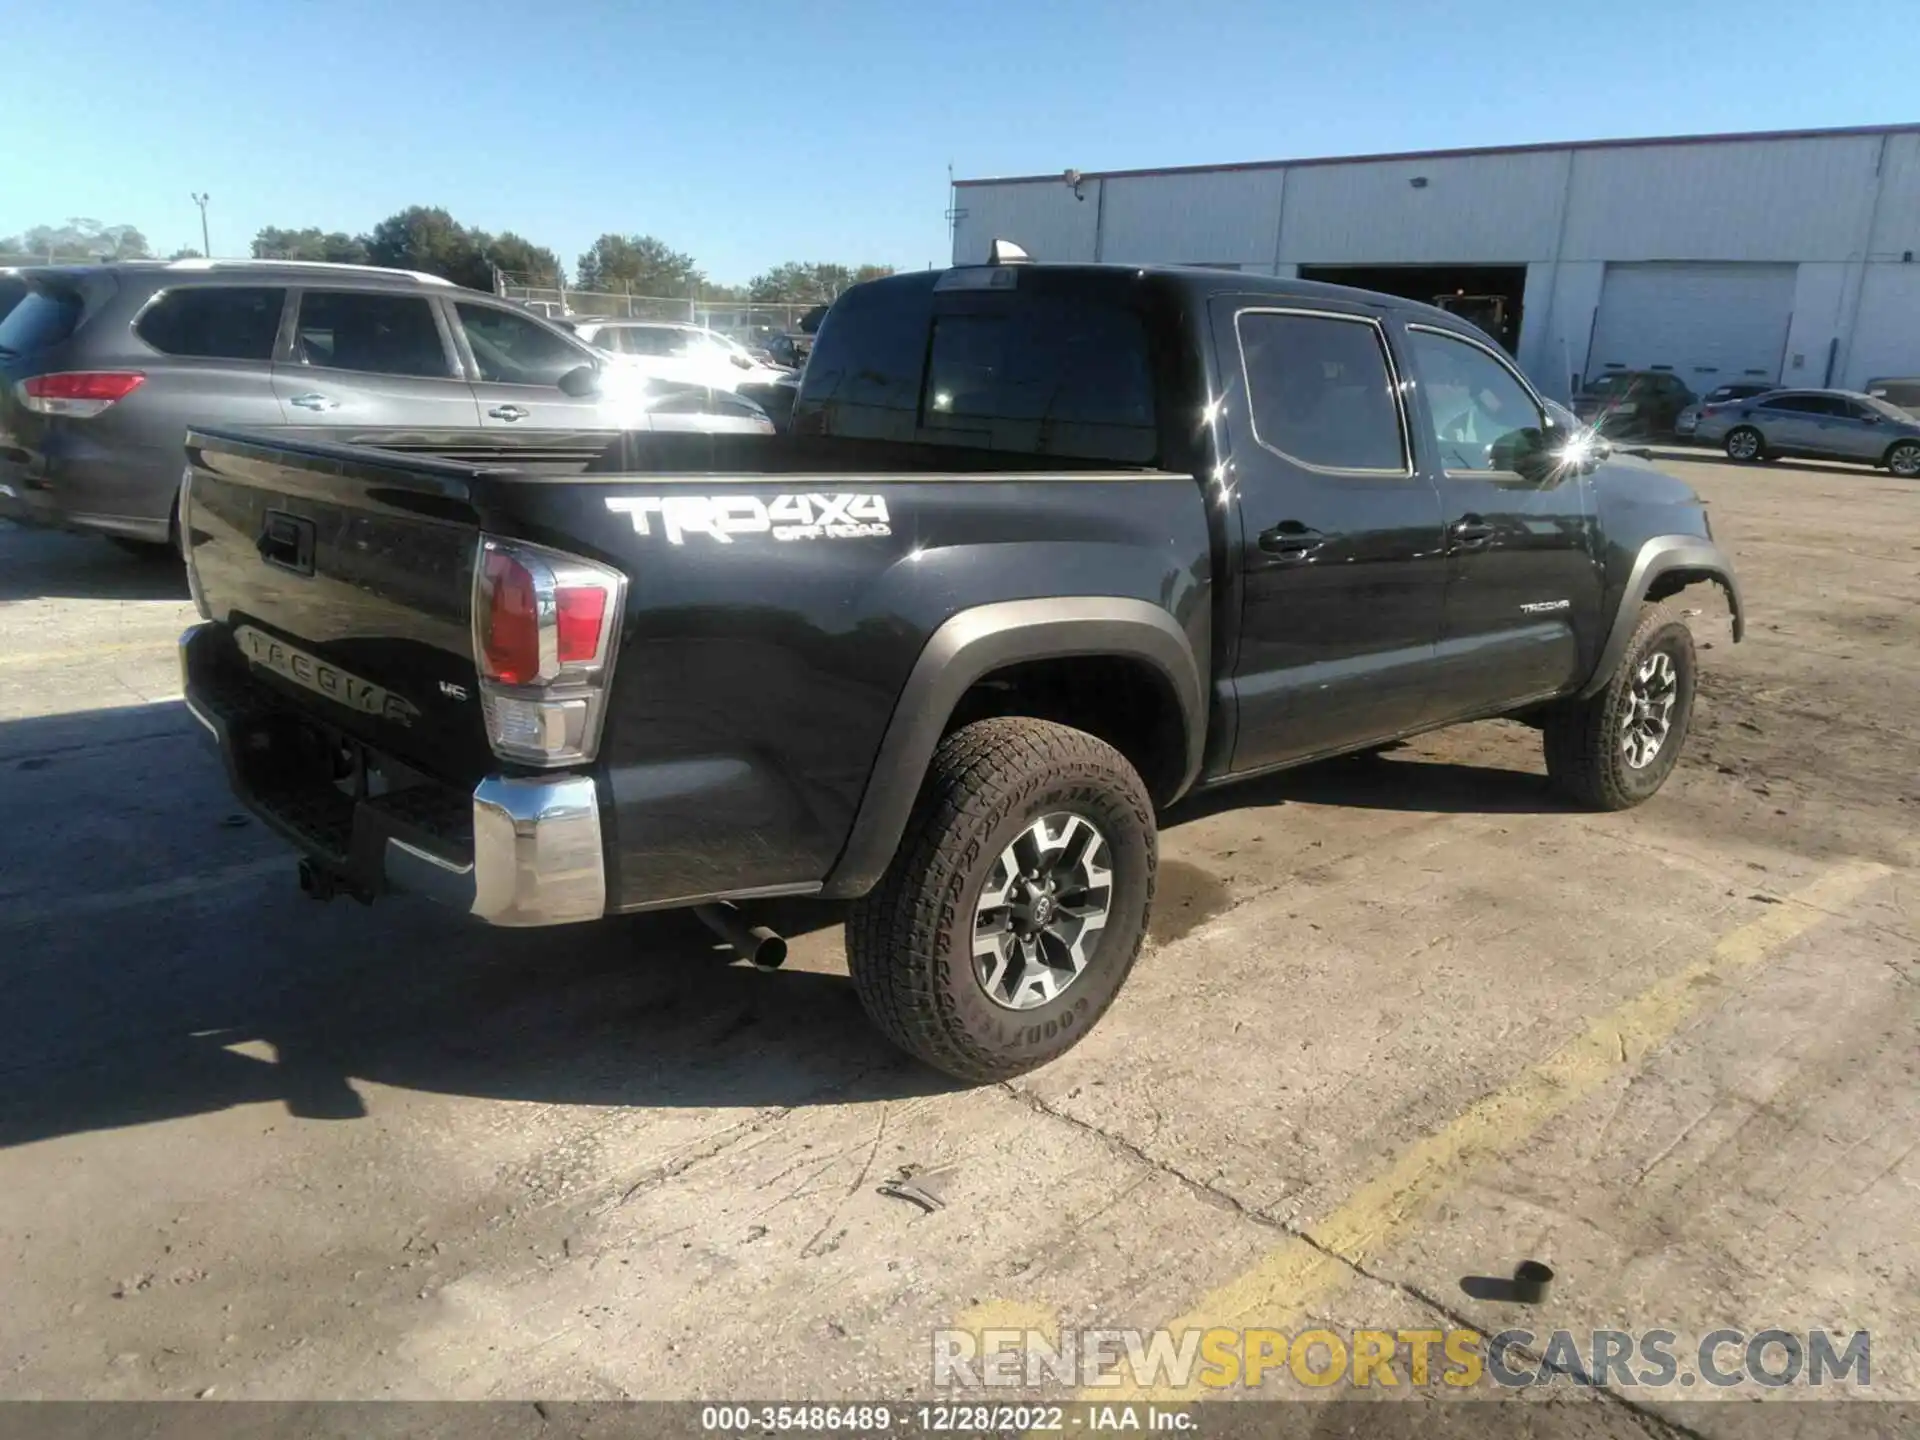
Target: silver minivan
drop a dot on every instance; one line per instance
(103, 367)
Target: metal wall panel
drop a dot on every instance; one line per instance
(1896, 228)
(1734, 200)
(1886, 336)
(1474, 209)
(1218, 217)
(1042, 218)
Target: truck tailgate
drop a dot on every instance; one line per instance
(345, 583)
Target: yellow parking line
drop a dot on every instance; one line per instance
(158, 645)
(1293, 1277)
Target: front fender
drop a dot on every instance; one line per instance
(970, 645)
(1665, 556)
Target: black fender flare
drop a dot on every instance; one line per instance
(983, 639)
(1656, 557)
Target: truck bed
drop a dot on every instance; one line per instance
(768, 629)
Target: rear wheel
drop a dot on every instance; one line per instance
(1904, 459)
(1616, 748)
(1016, 903)
(1745, 443)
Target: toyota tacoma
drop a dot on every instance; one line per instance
(1045, 549)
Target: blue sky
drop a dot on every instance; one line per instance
(749, 132)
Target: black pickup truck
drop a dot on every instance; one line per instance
(1046, 549)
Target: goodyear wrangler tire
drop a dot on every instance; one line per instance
(1616, 748)
(1016, 903)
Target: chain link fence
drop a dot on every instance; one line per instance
(739, 318)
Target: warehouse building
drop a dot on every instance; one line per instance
(1784, 257)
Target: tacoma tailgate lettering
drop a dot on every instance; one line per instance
(317, 675)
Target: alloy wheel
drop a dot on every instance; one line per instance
(1041, 911)
(1648, 716)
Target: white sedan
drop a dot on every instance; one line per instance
(667, 350)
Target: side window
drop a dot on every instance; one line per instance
(215, 322)
(1321, 391)
(649, 340)
(372, 333)
(510, 349)
(1856, 411)
(863, 379)
(1479, 410)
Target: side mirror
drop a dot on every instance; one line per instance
(580, 382)
(741, 361)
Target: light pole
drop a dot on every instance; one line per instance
(206, 246)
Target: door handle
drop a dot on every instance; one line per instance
(1470, 531)
(509, 412)
(314, 400)
(1291, 539)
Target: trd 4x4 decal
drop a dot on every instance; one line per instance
(785, 517)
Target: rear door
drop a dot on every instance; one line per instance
(365, 358)
(517, 366)
(1342, 556)
(1791, 423)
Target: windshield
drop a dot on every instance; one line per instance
(1881, 407)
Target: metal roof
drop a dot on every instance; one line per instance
(1634, 142)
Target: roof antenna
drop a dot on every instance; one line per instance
(1005, 252)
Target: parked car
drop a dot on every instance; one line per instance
(1689, 418)
(1902, 394)
(1015, 581)
(1633, 402)
(790, 349)
(670, 350)
(13, 289)
(1822, 424)
(776, 396)
(103, 367)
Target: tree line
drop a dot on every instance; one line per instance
(427, 238)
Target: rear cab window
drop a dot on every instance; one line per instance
(224, 322)
(1035, 369)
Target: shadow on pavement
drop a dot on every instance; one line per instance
(55, 565)
(1381, 780)
(158, 960)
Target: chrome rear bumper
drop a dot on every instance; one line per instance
(531, 853)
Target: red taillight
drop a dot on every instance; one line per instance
(510, 621)
(78, 392)
(582, 611)
(85, 385)
(544, 630)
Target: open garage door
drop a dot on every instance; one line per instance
(1707, 324)
(1886, 337)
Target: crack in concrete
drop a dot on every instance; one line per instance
(1649, 1419)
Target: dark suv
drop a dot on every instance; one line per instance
(1633, 402)
(103, 367)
